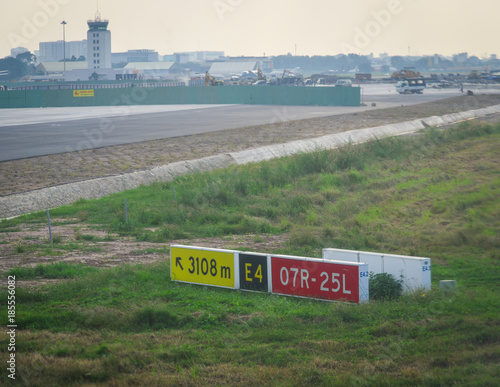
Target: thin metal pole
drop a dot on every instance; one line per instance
(50, 229)
(175, 198)
(64, 43)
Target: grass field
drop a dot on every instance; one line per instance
(433, 195)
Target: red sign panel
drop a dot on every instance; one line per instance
(309, 278)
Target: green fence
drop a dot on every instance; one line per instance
(254, 95)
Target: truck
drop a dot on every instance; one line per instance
(343, 83)
(411, 86)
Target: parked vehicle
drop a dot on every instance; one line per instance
(411, 86)
(210, 80)
(235, 80)
(343, 83)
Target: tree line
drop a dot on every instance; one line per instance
(24, 64)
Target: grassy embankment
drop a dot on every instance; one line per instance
(434, 195)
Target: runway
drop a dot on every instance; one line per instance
(28, 133)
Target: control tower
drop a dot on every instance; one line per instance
(98, 43)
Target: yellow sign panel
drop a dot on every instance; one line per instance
(83, 93)
(208, 267)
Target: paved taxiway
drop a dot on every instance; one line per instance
(36, 132)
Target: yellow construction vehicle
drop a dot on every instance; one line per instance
(407, 72)
(260, 75)
(209, 80)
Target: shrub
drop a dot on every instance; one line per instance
(384, 286)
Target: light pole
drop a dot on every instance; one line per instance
(64, 43)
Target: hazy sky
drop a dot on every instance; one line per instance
(255, 27)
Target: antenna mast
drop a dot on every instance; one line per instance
(97, 14)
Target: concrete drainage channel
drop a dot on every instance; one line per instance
(23, 203)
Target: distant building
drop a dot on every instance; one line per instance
(152, 70)
(54, 51)
(383, 55)
(240, 64)
(182, 57)
(168, 58)
(98, 44)
(76, 75)
(263, 62)
(49, 68)
(460, 58)
(209, 55)
(76, 71)
(227, 69)
(197, 56)
(134, 56)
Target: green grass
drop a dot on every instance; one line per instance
(58, 247)
(278, 196)
(52, 270)
(120, 323)
(433, 195)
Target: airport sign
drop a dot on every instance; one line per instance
(316, 278)
(253, 272)
(285, 275)
(203, 266)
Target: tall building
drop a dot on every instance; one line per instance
(98, 43)
(134, 56)
(54, 51)
(197, 56)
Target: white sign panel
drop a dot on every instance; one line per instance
(414, 271)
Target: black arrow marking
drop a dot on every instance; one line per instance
(178, 262)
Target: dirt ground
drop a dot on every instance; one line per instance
(118, 251)
(24, 175)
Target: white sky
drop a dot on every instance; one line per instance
(255, 27)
